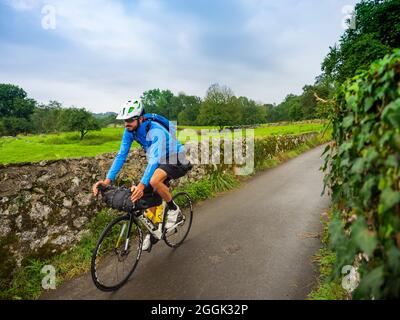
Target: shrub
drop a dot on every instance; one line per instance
(364, 177)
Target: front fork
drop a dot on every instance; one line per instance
(129, 232)
(121, 234)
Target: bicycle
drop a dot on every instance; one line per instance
(124, 236)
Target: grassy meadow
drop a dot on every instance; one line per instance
(33, 148)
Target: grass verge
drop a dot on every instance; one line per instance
(326, 288)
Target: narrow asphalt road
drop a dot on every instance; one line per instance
(255, 242)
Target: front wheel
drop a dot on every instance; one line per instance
(175, 237)
(117, 254)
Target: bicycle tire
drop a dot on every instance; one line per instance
(94, 272)
(188, 222)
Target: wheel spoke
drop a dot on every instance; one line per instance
(112, 265)
(177, 235)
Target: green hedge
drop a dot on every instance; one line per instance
(363, 165)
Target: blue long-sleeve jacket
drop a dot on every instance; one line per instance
(155, 140)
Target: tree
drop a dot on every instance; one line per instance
(305, 106)
(252, 113)
(220, 107)
(295, 109)
(15, 109)
(160, 102)
(377, 32)
(308, 99)
(48, 118)
(80, 120)
(190, 108)
(288, 109)
(183, 102)
(271, 113)
(167, 104)
(14, 102)
(13, 126)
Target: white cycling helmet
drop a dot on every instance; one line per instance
(131, 109)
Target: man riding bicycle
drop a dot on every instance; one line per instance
(165, 155)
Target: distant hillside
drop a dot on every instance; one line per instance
(104, 114)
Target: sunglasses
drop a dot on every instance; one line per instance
(130, 120)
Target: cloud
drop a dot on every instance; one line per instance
(111, 47)
(103, 52)
(22, 5)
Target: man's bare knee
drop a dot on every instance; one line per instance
(154, 183)
(158, 177)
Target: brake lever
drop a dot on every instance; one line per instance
(101, 188)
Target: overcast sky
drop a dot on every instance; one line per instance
(100, 53)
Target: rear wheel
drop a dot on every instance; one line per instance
(116, 254)
(176, 236)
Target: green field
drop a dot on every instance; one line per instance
(67, 145)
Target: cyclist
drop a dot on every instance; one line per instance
(165, 157)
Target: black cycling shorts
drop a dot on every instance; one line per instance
(175, 168)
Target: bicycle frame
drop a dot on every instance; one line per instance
(159, 231)
(130, 226)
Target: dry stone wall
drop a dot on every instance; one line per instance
(45, 206)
